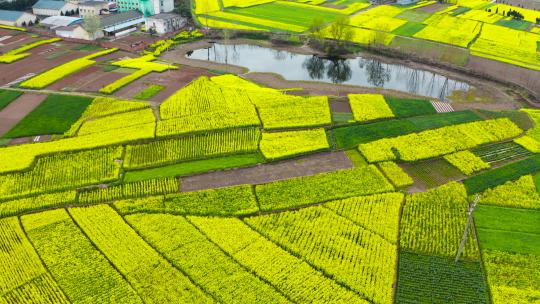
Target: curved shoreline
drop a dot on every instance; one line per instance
(498, 96)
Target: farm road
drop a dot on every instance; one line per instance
(18, 109)
(309, 165)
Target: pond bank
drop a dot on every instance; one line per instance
(486, 94)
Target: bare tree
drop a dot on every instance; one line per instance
(340, 29)
(316, 28)
(91, 24)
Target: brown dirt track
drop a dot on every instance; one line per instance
(90, 79)
(433, 8)
(15, 41)
(37, 62)
(18, 109)
(309, 165)
(527, 78)
(172, 80)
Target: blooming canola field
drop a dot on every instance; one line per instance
(134, 179)
(480, 27)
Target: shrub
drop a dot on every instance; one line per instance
(466, 162)
(367, 107)
(396, 174)
(286, 144)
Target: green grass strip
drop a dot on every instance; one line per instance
(149, 92)
(492, 178)
(263, 27)
(54, 115)
(6, 97)
(403, 107)
(351, 136)
(194, 167)
(409, 29)
(285, 13)
(508, 219)
(520, 25)
(460, 10)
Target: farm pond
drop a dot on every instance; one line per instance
(367, 72)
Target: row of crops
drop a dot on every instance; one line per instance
(69, 220)
(113, 137)
(166, 248)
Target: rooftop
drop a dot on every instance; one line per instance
(94, 3)
(67, 28)
(164, 16)
(60, 21)
(49, 4)
(10, 15)
(115, 19)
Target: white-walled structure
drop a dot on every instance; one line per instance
(16, 18)
(121, 23)
(58, 21)
(77, 32)
(164, 23)
(53, 8)
(93, 8)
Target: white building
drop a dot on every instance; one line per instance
(77, 32)
(93, 8)
(166, 6)
(164, 23)
(122, 23)
(54, 22)
(16, 18)
(54, 8)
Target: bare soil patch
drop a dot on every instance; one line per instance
(38, 62)
(29, 139)
(113, 56)
(18, 109)
(433, 8)
(133, 42)
(90, 79)
(309, 165)
(530, 4)
(15, 41)
(340, 106)
(527, 78)
(172, 80)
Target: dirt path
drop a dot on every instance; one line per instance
(172, 80)
(309, 165)
(18, 109)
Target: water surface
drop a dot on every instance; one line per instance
(360, 71)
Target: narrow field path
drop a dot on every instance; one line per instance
(18, 109)
(309, 165)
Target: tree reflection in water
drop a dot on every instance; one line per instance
(377, 73)
(359, 71)
(338, 70)
(315, 67)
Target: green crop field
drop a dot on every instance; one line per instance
(53, 116)
(6, 97)
(114, 204)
